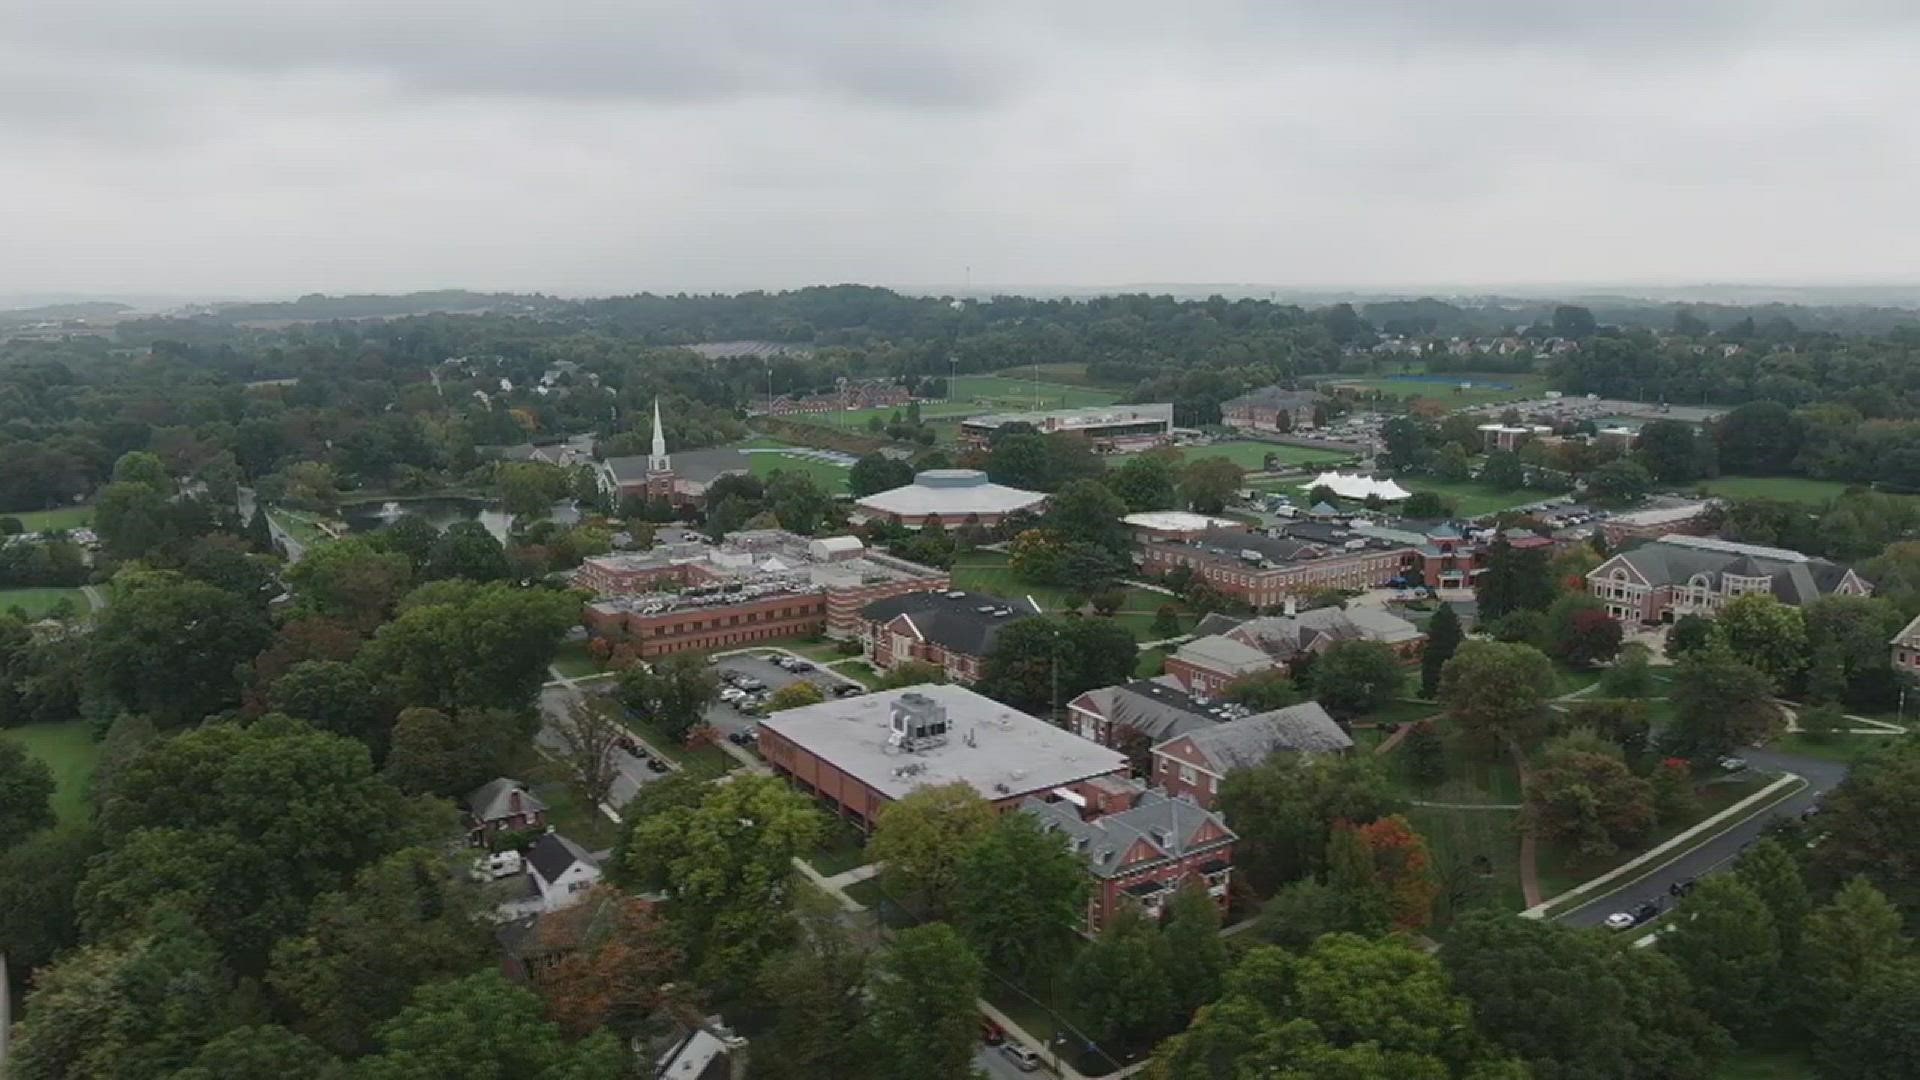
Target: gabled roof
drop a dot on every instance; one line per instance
(1909, 635)
(952, 620)
(553, 855)
(1674, 560)
(1223, 653)
(1244, 743)
(491, 800)
(1168, 826)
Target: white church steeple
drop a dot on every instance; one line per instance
(658, 462)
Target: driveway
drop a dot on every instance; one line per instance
(1719, 852)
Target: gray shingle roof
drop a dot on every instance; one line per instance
(1165, 823)
(553, 854)
(1244, 743)
(491, 800)
(954, 623)
(1675, 560)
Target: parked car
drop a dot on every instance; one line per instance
(498, 865)
(991, 1033)
(1024, 1058)
(1733, 764)
(1648, 911)
(654, 764)
(742, 738)
(846, 690)
(1681, 888)
(732, 694)
(1620, 920)
(797, 665)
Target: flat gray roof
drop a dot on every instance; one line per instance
(996, 749)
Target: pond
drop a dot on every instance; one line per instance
(441, 512)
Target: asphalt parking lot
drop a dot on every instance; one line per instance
(759, 665)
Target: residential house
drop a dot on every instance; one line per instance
(951, 630)
(561, 870)
(502, 805)
(1227, 649)
(1906, 648)
(1677, 575)
(1140, 854)
(1193, 764)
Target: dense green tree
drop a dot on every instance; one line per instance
(1719, 703)
(1354, 879)
(530, 488)
(1495, 692)
(1773, 875)
(1354, 678)
(1443, 640)
(1146, 482)
(1120, 981)
(1845, 942)
(921, 839)
(1350, 1007)
(1759, 438)
(349, 580)
(1675, 452)
(799, 504)
(1630, 675)
(26, 794)
(1304, 910)
(1020, 460)
(412, 537)
(139, 1008)
(265, 1052)
(38, 876)
(1196, 953)
(1021, 895)
(431, 753)
(482, 1027)
(1451, 464)
(723, 866)
(1869, 822)
(240, 828)
(1764, 633)
(140, 656)
(819, 991)
(875, 473)
(1574, 1007)
(456, 646)
(1283, 811)
(923, 1023)
(1208, 484)
(1724, 941)
(468, 551)
(1878, 1036)
(1619, 482)
(672, 693)
(1033, 658)
(1583, 794)
(1690, 633)
(1263, 691)
(1087, 512)
(1515, 579)
(1502, 471)
(1404, 440)
(332, 696)
(1849, 636)
(407, 920)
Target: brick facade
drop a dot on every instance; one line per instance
(1265, 588)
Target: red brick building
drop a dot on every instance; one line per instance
(502, 805)
(1140, 855)
(1272, 408)
(1225, 649)
(1194, 764)
(951, 630)
(850, 394)
(1264, 571)
(757, 586)
(858, 754)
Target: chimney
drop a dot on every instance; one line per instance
(513, 800)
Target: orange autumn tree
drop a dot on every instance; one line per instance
(1403, 868)
(610, 960)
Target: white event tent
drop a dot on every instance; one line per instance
(1359, 487)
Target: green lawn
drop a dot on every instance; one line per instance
(69, 750)
(832, 478)
(1798, 489)
(987, 572)
(38, 602)
(1152, 662)
(702, 762)
(842, 848)
(572, 660)
(300, 525)
(1563, 868)
(1470, 499)
(67, 517)
(1476, 854)
(1845, 749)
(858, 670)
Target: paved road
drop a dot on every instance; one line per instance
(1715, 854)
(555, 699)
(995, 1065)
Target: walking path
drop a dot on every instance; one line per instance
(94, 599)
(854, 876)
(1529, 844)
(1509, 807)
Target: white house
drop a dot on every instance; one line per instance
(560, 873)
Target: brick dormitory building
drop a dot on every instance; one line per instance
(693, 596)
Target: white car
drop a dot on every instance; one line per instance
(1024, 1058)
(732, 693)
(1620, 920)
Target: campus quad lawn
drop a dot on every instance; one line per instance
(67, 517)
(1456, 838)
(573, 661)
(1251, 456)
(70, 752)
(831, 478)
(38, 602)
(1448, 393)
(1470, 499)
(1798, 489)
(987, 572)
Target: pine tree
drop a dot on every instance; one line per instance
(259, 533)
(1845, 942)
(1775, 878)
(1443, 637)
(1351, 875)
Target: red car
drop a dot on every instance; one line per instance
(991, 1033)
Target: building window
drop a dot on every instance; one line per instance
(1187, 774)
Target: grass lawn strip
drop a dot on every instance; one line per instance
(38, 602)
(1651, 862)
(61, 520)
(69, 751)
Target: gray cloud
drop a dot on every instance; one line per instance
(228, 146)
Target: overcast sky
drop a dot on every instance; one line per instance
(256, 147)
